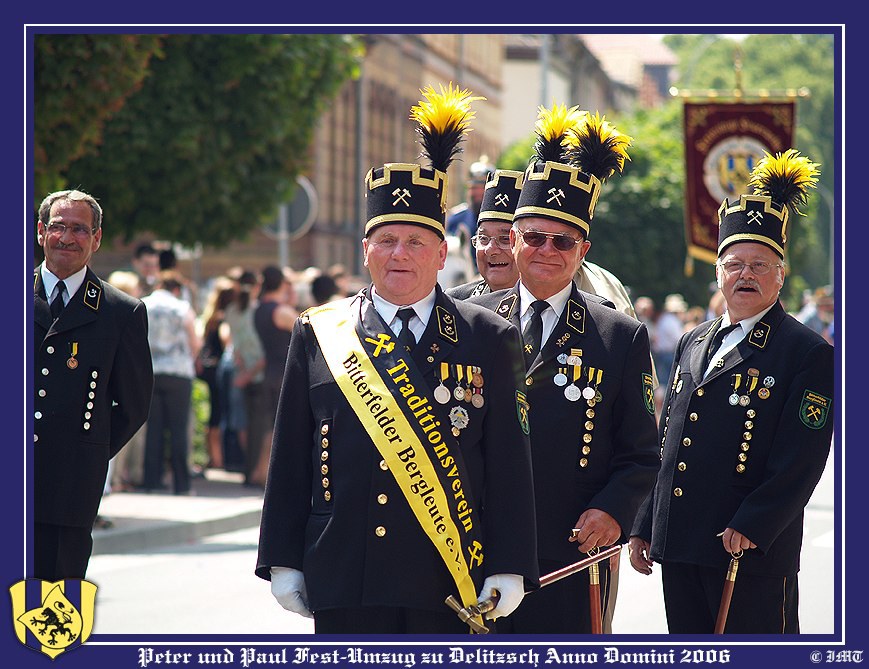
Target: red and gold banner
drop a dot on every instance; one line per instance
(723, 143)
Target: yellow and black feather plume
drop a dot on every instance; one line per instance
(443, 119)
(785, 178)
(551, 129)
(597, 148)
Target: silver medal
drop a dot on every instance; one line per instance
(560, 379)
(733, 399)
(459, 393)
(572, 393)
(442, 394)
(574, 360)
(769, 382)
(588, 393)
(477, 400)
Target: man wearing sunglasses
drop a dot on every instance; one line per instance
(93, 381)
(589, 385)
(494, 252)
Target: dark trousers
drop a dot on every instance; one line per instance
(169, 417)
(562, 607)
(259, 423)
(388, 620)
(60, 552)
(760, 604)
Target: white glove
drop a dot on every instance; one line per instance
(512, 590)
(288, 587)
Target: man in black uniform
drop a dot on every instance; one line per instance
(400, 471)
(93, 382)
(491, 241)
(746, 430)
(589, 381)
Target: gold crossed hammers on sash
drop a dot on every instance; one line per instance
(382, 342)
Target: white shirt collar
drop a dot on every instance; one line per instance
(72, 283)
(388, 310)
(556, 302)
(746, 324)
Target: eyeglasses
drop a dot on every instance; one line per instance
(758, 268)
(80, 231)
(483, 241)
(538, 239)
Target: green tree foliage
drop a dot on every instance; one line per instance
(81, 81)
(216, 136)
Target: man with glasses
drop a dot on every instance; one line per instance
(746, 431)
(92, 384)
(494, 255)
(589, 385)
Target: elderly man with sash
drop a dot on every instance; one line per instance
(588, 379)
(400, 471)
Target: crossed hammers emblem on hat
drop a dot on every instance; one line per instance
(556, 194)
(755, 217)
(401, 193)
(502, 199)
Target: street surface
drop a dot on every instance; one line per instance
(209, 587)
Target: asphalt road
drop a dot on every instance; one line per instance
(208, 587)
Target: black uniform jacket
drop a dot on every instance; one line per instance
(603, 456)
(471, 289)
(750, 466)
(347, 526)
(92, 392)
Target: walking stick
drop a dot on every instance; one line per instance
(594, 595)
(469, 614)
(727, 594)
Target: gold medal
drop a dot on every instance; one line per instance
(72, 363)
(763, 393)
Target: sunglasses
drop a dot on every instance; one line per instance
(560, 242)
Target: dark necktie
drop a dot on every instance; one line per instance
(533, 334)
(717, 339)
(405, 337)
(57, 304)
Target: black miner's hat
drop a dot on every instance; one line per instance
(781, 184)
(413, 194)
(501, 196)
(574, 153)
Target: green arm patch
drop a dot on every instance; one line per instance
(649, 393)
(814, 409)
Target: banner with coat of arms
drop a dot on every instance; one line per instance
(723, 143)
